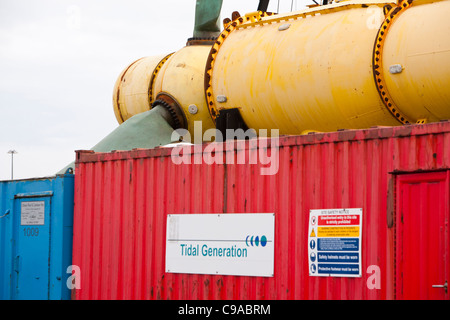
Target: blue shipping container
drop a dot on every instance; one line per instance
(36, 219)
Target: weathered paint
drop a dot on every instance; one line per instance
(34, 258)
(424, 56)
(133, 86)
(122, 200)
(179, 75)
(327, 68)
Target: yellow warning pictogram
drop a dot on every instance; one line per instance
(313, 234)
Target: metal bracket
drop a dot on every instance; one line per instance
(6, 213)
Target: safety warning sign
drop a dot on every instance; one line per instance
(334, 242)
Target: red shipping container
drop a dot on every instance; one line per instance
(399, 177)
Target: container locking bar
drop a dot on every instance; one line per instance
(445, 286)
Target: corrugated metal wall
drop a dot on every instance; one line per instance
(35, 255)
(122, 200)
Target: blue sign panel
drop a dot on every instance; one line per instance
(342, 269)
(338, 244)
(341, 257)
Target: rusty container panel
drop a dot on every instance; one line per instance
(122, 200)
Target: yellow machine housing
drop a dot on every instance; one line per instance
(182, 77)
(132, 90)
(348, 65)
(179, 76)
(419, 41)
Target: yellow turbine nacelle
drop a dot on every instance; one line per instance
(176, 80)
(349, 65)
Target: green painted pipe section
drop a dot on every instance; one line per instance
(207, 18)
(145, 130)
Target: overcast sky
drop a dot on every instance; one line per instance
(59, 60)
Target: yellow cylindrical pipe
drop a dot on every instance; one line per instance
(179, 75)
(418, 44)
(320, 69)
(312, 70)
(304, 72)
(132, 90)
(182, 77)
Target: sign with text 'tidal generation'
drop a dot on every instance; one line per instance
(226, 244)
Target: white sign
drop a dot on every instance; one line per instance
(334, 242)
(32, 213)
(226, 244)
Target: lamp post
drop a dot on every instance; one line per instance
(12, 153)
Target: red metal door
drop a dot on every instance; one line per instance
(422, 236)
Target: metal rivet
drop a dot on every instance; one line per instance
(284, 27)
(192, 109)
(395, 68)
(221, 99)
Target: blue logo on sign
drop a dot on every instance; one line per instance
(256, 241)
